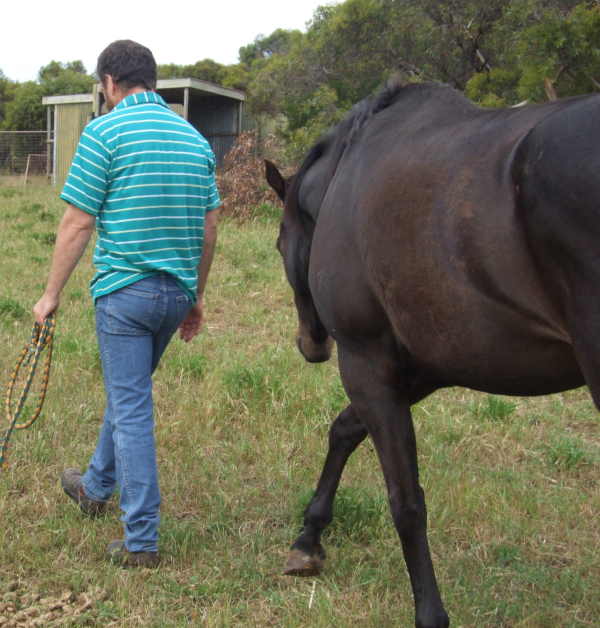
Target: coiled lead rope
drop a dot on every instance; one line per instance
(42, 337)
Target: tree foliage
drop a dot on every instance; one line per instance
(24, 110)
(5, 89)
(21, 106)
(233, 76)
(279, 41)
(205, 70)
(554, 55)
(500, 52)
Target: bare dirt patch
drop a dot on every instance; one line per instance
(22, 608)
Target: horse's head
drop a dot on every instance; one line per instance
(293, 243)
(302, 196)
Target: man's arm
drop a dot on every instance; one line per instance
(210, 241)
(193, 321)
(73, 235)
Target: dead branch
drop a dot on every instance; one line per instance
(549, 89)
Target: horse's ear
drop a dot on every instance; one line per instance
(274, 179)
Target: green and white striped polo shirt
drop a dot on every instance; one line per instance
(149, 178)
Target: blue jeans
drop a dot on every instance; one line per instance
(134, 326)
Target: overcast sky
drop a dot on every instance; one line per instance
(177, 31)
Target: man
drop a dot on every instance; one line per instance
(145, 180)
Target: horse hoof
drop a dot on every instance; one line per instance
(301, 564)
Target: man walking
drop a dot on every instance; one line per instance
(144, 180)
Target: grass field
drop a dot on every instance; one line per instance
(512, 484)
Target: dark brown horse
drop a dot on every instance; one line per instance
(440, 244)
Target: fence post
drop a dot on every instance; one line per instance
(49, 151)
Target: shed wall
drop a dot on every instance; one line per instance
(68, 124)
(218, 119)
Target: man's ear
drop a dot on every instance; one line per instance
(274, 179)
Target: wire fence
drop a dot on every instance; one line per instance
(25, 153)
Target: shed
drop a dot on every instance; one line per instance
(217, 112)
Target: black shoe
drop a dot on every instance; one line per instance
(71, 483)
(120, 555)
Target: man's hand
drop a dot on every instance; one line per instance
(44, 307)
(192, 323)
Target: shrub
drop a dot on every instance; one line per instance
(242, 182)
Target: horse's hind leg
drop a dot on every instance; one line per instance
(380, 396)
(584, 327)
(307, 554)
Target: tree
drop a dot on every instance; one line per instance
(204, 70)
(170, 71)
(6, 89)
(349, 50)
(554, 54)
(280, 41)
(235, 76)
(355, 47)
(24, 111)
(65, 78)
(560, 55)
(495, 88)
(461, 38)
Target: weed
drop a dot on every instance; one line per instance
(45, 238)
(68, 346)
(506, 555)
(242, 381)
(358, 515)
(195, 364)
(9, 308)
(493, 409)
(30, 208)
(567, 453)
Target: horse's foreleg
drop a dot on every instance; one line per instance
(307, 554)
(382, 400)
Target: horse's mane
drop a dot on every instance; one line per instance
(363, 111)
(359, 115)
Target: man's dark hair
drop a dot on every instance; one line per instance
(130, 64)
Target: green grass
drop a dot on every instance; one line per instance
(242, 421)
(11, 309)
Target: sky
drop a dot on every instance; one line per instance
(177, 31)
